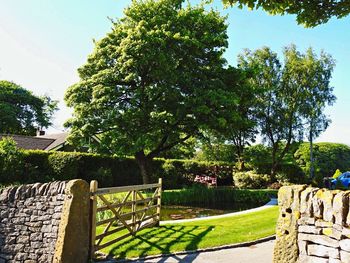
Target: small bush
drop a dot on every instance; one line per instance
(11, 161)
(251, 180)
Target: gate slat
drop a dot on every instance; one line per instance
(120, 189)
(130, 221)
(128, 203)
(115, 213)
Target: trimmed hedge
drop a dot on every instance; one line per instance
(41, 166)
(222, 197)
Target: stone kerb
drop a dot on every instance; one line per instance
(313, 225)
(31, 225)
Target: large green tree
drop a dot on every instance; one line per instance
(308, 12)
(21, 112)
(294, 97)
(241, 126)
(154, 81)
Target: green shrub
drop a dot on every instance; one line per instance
(251, 180)
(290, 173)
(11, 161)
(42, 166)
(221, 197)
(327, 158)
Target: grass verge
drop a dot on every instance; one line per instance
(195, 235)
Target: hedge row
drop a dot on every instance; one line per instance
(41, 166)
(220, 198)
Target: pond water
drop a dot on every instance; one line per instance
(188, 212)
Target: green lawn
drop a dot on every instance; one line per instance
(194, 235)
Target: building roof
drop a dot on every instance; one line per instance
(59, 140)
(45, 142)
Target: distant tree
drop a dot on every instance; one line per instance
(295, 92)
(154, 81)
(308, 12)
(242, 128)
(21, 112)
(211, 148)
(328, 158)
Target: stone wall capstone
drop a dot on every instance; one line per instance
(29, 221)
(313, 225)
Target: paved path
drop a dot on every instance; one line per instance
(259, 253)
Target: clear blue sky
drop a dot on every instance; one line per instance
(42, 43)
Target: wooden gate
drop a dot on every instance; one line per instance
(114, 211)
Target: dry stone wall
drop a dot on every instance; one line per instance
(313, 225)
(29, 221)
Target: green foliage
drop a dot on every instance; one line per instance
(154, 81)
(224, 198)
(257, 156)
(293, 93)
(21, 112)
(308, 12)
(328, 157)
(216, 152)
(10, 161)
(251, 180)
(336, 174)
(41, 166)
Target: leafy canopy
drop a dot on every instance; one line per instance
(21, 112)
(294, 95)
(308, 12)
(154, 80)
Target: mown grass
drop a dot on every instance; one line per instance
(187, 236)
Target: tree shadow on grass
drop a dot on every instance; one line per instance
(161, 240)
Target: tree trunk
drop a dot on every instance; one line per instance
(143, 163)
(241, 164)
(311, 153)
(274, 170)
(274, 163)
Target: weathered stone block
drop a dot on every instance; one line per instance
(302, 245)
(309, 229)
(344, 256)
(306, 196)
(322, 251)
(346, 232)
(332, 232)
(345, 244)
(319, 239)
(306, 221)
(21, 256)
(22, 239)
(341, 207)
(322, 223)
(311, 259)
(286, 247)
